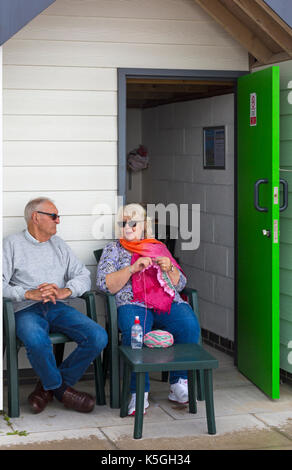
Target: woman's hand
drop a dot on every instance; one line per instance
(164, 263)
(140, 264)
(115, 281)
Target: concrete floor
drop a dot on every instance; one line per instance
(245, 419)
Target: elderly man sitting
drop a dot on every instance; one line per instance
(39, 272)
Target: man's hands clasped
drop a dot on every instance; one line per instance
(47, 292)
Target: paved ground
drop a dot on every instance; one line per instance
(245, 419)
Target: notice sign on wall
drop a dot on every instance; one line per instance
(214, 147)
(253, 109)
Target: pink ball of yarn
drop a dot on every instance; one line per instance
(158, 339)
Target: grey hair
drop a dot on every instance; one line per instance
(33, 205)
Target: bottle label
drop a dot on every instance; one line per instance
(137, 338)
(137, 335)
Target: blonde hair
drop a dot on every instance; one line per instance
(135, 212)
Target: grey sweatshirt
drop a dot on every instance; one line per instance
(27, 263)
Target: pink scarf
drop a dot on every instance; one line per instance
(152, 286)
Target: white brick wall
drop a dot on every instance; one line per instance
(174, 136)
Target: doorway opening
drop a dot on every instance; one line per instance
(168, 116)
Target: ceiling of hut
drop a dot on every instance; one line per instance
(147, 93)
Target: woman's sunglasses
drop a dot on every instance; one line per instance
(131, 223)
(54, 216)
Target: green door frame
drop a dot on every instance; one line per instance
(123, 74)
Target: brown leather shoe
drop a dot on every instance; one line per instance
(78, 401)
(39, 398)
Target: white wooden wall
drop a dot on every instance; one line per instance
(60, 98)
(1, 322)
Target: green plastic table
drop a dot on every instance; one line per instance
(190, 357)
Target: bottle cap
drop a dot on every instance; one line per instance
(137, 320)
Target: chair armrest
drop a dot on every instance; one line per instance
(104, 294)
(109, 298)
(9, 323)
(189, 290)
(112, 315)
(8, 310)
(89, 298)
(192, 295)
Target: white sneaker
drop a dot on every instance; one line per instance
(179, 391)
(132, 404)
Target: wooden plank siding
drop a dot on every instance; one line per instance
(286, 216)
(60, 99)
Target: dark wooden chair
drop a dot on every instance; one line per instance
(13, 345)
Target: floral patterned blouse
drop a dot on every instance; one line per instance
(114, 257)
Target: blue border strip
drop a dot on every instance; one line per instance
(15, 14)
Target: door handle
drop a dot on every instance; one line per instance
(266, 233)
(256, 195)
(285, 195)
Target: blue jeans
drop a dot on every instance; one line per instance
(181, 322)
(34, 323)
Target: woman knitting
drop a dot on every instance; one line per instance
(146, 281)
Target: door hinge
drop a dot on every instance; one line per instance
(276, 195)
(276, 238)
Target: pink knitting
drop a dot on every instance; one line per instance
(152, 286)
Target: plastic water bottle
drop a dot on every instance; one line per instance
(136, 335)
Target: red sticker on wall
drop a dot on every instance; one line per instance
(253, 109)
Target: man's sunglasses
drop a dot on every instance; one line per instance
(131, 223)
(54, 216)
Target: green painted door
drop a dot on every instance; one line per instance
(258, 229)
(286, 218)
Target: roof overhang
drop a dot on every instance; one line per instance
(14, 14)
(256, 26)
